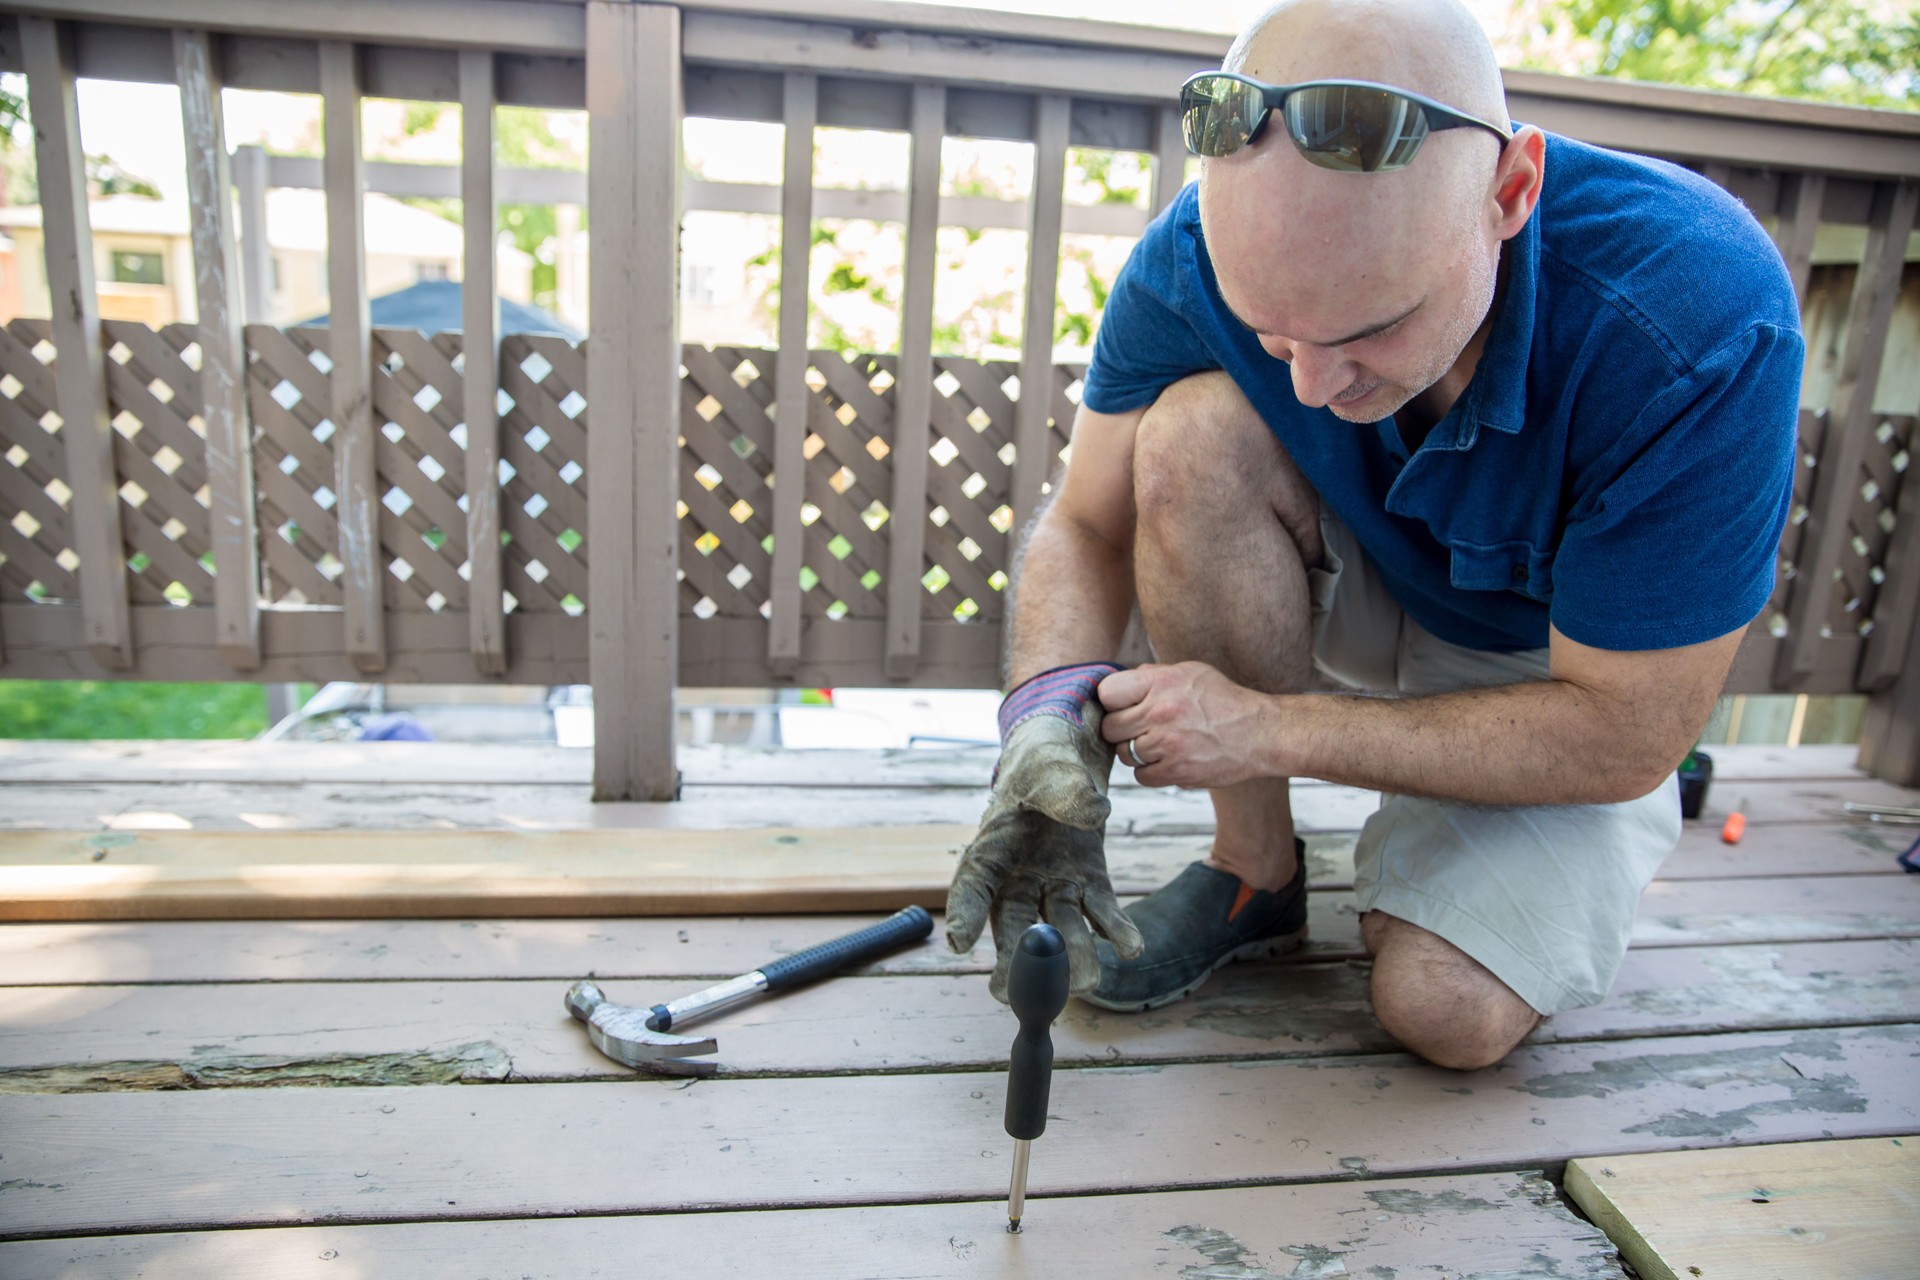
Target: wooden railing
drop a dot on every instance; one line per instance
(228, 500)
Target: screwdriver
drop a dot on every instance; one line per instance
(1037, 991)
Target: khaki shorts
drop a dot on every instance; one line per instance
(1543, 896)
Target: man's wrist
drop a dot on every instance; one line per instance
(1283, 741)
(1060, 692)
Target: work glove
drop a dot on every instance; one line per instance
(1038, 854)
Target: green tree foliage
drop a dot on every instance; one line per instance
(1860, 52)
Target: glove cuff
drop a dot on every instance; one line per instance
(1060, 692)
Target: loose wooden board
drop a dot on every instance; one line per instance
(101, 1162)
(1484, 1225)
(412, 763)
(69, 1039)
(1761, 1213)
(1672, 914)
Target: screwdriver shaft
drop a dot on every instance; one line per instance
(1017, 1189)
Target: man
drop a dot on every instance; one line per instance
(1493, 423)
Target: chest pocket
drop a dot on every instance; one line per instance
(1503, 566)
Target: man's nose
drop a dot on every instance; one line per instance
(1319, 373)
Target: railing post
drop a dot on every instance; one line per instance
(480, 366)
(1033, 449)
(1169, 159)
(635, 104)
(801, 108)
(81, 370)
(1869, 317)
(256, 254)
(349, 347)
(223, 358)
(913, 394)
(1890, 731)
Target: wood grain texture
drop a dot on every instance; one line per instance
(480, 368)
(1476, 1227)
(258, 1034)
(1034, 456)
(1762, 1213)
(159, 1161)
(80, 372)
(800, 112)
(223, 358)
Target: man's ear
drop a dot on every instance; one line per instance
(1517, 179)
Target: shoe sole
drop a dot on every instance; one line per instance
(1264, 949)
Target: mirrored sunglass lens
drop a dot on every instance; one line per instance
(1356, 130)
(1218, 115)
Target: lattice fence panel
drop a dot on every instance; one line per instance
(1793, 542)
(849, 452)
(726, 458)
(160, 458)
(543, 446)
(1872, 517)
(37, 560)
(970, 488)
(288, 397)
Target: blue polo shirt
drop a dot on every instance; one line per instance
(1621, 463)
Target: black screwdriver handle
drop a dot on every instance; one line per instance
(1037, 990)
(896, 931)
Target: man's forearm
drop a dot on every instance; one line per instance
(1072, 597)
(1544, 742)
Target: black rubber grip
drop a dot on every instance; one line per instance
(896, 931)
(1037, 990)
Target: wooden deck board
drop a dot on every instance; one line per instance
(1769, 1213)
(1467, 1227)
(1672, 913)
(73, 1039)
(164, 1161)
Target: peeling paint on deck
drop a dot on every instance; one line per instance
(1226, 1258)
(476, 1061)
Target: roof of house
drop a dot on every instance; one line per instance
(433, 306)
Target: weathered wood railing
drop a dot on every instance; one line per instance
(208, 502)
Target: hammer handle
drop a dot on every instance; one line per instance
(897, 930)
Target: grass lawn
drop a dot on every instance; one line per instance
(129, 709)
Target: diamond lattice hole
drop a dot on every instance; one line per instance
(25, 524)
(747, 372)
(842, 480)
(1074, 389)
(741, 446)
(816, 381)
(1887, 519)
(973, 484)
(969, 548)
(997, 580)
(946, 384)
(846, 413)
(704, 608)
(1869, 491)
(67, 559)
(943, 451)
(708, 408)
(1859, 545)
(160, 391)
(875, 515)
(11, 387)
(880, 381)
(1002, 518)
(979, 419)
(427, 397)
(935, 580)
(172, 529)
(57, 489)
(431, 468)
(811, 447)
(837, 610)
(536, 571)
(840, 547)
(808, 513)
(573, 404)
(400, 569)
(707, 543)
(536, 367)
(16, 456)
(707, 476)
(135, 496)
(939, 516)
(877, 449)
(739, 576)
(43, 351)
(741, 511)
(166, 459)
(1007, 453)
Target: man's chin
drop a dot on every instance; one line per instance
(1375, 405)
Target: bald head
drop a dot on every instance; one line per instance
(1313, 256)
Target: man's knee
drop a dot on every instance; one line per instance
(1193, 448)
(1438, 1001)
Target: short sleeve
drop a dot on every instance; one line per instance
(1676, 542)
(1145, 344)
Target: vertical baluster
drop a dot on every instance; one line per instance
(1169, 159)
(81, 371)
(349, 346)
(1869, 317)
(790, 381)
(913, 390)
(1033, 448)
(1795, 229)
(223, 358)
(635, 104)
(480, 357)
(256, 253)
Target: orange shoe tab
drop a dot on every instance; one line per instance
(1241, 900)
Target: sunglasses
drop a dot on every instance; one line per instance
(1354, 126)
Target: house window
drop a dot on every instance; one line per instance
(138, 268)
(432, 271)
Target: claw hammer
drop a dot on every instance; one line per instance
(638, 1037)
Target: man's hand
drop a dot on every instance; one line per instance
(1185, 725)
(1038, 854)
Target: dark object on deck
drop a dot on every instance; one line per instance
(1696, 772)
(1037, 991)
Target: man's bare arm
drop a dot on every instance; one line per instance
(1073, 573)
(1607, 727)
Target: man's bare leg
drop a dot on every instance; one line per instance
(1439, 1001)
(1227, 530)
